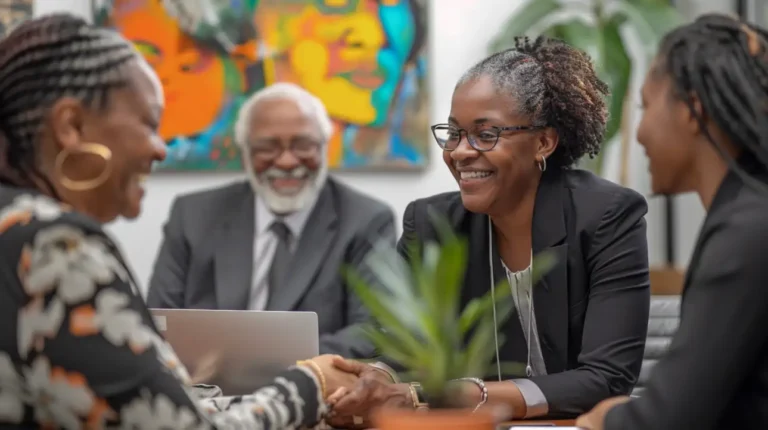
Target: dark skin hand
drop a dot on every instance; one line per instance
(374, 389)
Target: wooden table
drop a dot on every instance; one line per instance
(558, 423)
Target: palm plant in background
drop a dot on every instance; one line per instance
(414, 305)
(600, 28)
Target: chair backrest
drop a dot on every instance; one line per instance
(664, 318)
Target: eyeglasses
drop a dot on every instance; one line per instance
(271, 150)
(449, 136)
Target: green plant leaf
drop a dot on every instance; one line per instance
(582, 36)
(389, 268)
(480, 306)
(383, 310)
(524, 16)
(417, 326)
(650, 20)
(617, 67)
(481, 348)
(393, 349)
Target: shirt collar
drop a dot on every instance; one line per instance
(294, 221)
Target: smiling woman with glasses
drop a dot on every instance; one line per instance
(520, 120)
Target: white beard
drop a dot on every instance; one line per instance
(281, 203)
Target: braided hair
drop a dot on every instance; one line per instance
(723, 62)
(41, 61)
(555, 85)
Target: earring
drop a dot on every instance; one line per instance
(88, 184)
(542, 164)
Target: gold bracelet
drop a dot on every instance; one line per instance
(418, 403)
(414, 396)
(381, 367)
(315, 368)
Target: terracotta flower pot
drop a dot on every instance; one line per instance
(438, 419)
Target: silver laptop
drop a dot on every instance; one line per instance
(253, 346)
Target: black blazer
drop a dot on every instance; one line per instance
(592, 307)
(715, 373)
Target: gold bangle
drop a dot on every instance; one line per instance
(315, 368)
(414, 396)
(382, 367)
(418, 403)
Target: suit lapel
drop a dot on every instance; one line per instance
(316, 240)
(550, 294)
(726, 193)
(477, 283)
(233, 255)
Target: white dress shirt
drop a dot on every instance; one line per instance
(265, 244)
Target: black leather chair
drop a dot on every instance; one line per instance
(663, 321)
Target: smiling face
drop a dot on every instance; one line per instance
(286, 154)
(128, 128)
(668, 133)
(492, 181)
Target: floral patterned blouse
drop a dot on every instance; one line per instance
(79, 349)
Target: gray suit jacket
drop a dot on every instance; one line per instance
(206, 259)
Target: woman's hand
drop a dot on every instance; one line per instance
(595, 419)
(334, 378)
(374, 389)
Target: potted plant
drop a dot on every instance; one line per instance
(414, 303)
(600, 28)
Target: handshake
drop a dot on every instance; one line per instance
(354, 389)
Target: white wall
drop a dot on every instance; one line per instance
(460, 31)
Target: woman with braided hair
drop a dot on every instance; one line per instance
(705, 129)
(79, 112)
(519, 121)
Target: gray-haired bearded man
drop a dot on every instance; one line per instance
(279, 240)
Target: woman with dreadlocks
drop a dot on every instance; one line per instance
(79, 112)
(705, 129)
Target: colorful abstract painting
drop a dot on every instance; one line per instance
(12, 13)
(365, 59)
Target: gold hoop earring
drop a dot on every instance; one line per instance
(543, 164)
(89, 184)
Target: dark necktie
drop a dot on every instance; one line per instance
(282, 255)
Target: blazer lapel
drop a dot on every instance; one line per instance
(477, 283)
(233, 255)
(550, 294)
(727, 192)
(316, 240)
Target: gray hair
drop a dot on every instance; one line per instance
(515, 74)
(310, 105)
(556, 86)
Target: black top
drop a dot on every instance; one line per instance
(592, 307)
(715, 373)
(79, 348)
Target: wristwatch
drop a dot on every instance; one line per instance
(417, 395)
